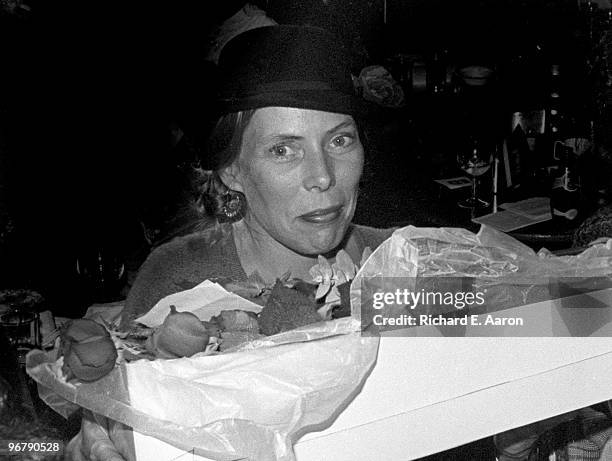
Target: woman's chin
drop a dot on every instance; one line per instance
(322, 242)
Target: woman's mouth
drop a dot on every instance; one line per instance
(323, 215)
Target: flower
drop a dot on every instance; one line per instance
(379, 86)
(330, 276)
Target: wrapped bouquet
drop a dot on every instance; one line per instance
(225, 370)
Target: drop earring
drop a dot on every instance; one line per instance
(234, 206)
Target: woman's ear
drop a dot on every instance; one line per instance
(230, 175)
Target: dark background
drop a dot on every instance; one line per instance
(88, 91)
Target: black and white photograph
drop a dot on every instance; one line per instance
(306, 230)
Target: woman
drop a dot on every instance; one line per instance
(288, 157)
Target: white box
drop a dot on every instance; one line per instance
(429, 394)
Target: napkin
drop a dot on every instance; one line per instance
(204, 300)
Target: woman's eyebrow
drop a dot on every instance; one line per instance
(281, 137)
(346, 123)
(276, 137)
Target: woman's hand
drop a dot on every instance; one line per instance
(94, 443)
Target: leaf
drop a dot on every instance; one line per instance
(345, 264)
(333, 296)
(257, 280)
(325, 268)
(322, 290)
(341, 278)
(316, 274)
(367, 252)
(326, 310)
(285, 277)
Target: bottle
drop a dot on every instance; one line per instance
(554, 114)
(565, 196)
(437, 74)
(565, 190)
(518, 155)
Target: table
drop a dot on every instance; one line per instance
(548, 234)
(551, 234)
(421, 202)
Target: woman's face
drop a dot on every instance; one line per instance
(299, 170)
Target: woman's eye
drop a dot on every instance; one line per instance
(279, 150)
(342, 141)
(283, 152)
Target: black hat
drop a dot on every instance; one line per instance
(287, 66)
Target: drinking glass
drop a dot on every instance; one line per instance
(102, 271)
(475, 161)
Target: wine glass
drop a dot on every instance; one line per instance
(102, 271)
(475, 162)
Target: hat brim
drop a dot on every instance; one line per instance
(327, 101)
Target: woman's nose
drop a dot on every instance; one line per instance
(319, 170)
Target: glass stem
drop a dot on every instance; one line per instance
(474, 180)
